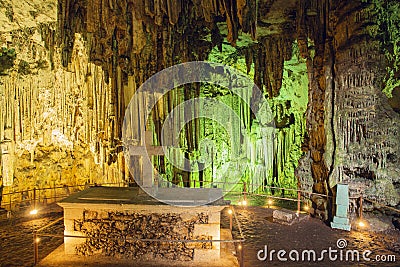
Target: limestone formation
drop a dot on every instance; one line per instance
(70, 68)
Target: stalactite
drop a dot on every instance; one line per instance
(268, 57)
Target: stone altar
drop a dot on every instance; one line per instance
(128, 214)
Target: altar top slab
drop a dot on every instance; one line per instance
(134, 195)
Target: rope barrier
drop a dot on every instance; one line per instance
(37, 197)
(385, 206)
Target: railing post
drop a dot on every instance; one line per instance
(241, 254)
(35, 248)
(298, 201)
(245, 191)
(361, 207)
(230, 219)
(10, 200)
(54, 191)
(34, 198)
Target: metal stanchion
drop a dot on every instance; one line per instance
(230, 219)
(54, 191)
(34, 198)
(298, 202)
(35, 248)
(241, 248)
(245, 191)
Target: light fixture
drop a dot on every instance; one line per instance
(229, 211)
(306, 207)
(33, 212)
(240, 203)
(270, 202)
(361, 224)
(244, 202)
(37, 240)
(239, 247)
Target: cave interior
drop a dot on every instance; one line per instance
(327, 69)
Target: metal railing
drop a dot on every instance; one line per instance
(31, 198)
(299, 196)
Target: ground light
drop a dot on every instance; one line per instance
(361, 224)
(229, 212)
(244, 202)
(306, 208)
(33, 212)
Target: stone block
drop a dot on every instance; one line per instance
(214, 217)
(212, 230)
(70, 243)
(207, 229)
(341, 226)
(341, 210)
(71, 213)
(284, 217)
(90, 215)
(187, 216)
(206, 255)
(342, 194)
(69, 224)
(85, 211)
(189, 195)
(340, 220)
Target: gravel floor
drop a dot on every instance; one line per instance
(310, 234)
(16, 238)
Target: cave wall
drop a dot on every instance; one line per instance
(366, 128)
(63, 99)
(77, 65)
(55, 124)
(352, 129)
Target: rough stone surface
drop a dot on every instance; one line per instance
(126, 227)
(77, 64)
(352, 130)
(284, 216)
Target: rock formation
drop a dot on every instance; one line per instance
(70, 68)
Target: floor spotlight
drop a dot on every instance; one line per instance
(33, 212)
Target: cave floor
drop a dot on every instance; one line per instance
(311, 234)
(16, 247)
(16, 239)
